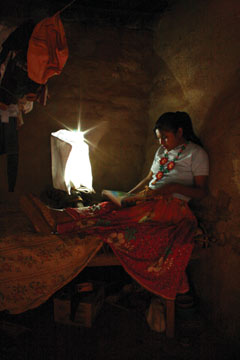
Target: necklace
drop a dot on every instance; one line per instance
(165, 166)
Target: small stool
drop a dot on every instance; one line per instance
(170, 318)
(109, 259)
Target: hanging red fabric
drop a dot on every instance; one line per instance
(47, 50)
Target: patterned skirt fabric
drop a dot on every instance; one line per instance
(33, 266)
(153, 239)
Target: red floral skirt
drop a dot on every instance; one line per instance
(153, 239)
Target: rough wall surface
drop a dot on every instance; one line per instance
(110, 82)
(105, 87)
(198, 48)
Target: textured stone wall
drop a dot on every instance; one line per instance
(116, 83)
(198, 48)
(105, 87)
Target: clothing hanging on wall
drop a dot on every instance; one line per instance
(30, 55)
(47, 51)
(15, 82)
(9, 146)
(30, 47)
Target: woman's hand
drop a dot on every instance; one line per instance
(143, 195)
(132, 199)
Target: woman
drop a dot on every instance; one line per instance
(152, 235)
(180, 167)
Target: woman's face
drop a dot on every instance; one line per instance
(169, 139)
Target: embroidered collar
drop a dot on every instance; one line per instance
(165, 166)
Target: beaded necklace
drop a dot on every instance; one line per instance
(165, 165)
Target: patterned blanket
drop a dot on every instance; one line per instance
(34, 266)
(153, 241)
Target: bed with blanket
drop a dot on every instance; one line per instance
(33, 266)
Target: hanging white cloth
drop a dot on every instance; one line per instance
(71, 167)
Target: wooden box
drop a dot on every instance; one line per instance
(79, 309)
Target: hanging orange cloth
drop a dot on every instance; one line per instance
(47, 50)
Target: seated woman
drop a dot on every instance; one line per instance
(152, 234)
(180, 167)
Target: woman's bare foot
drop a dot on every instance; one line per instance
(47, 213)
(52, 216)
(43, 218)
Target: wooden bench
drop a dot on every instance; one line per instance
(106, 257)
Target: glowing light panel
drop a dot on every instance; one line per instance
(71, 167)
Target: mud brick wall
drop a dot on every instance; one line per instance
(117, 81)
(198, 54)
(104, 87)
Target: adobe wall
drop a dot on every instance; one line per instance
(198, 48)
(105, 87)
(116, 80)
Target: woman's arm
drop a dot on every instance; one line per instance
(140, 186)
(197, 191)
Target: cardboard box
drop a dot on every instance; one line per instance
(62, 310)
(79, 309)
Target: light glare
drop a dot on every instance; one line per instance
(71, 167)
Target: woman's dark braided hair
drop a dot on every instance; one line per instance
(172, 121)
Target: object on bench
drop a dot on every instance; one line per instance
(106, 257)
(35, 265)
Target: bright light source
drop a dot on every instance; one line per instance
(71, 167)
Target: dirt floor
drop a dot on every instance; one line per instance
(120, 330)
